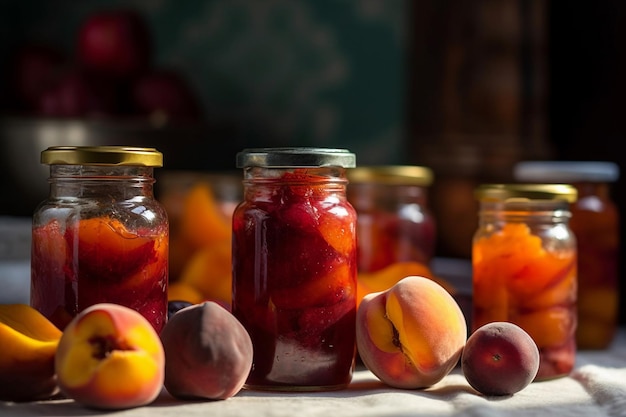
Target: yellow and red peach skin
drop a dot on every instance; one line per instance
(411, 335)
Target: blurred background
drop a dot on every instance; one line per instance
(465, 88)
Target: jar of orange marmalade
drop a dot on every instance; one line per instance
(524, 261)
(595, 222)
(100, 236)
(294, 267)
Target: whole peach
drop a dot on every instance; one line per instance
(500, 358)
(208, 353)
(110, 357)
(411, 335)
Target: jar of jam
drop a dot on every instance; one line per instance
(595, 222)
(524, 262)
(294, 267)
(394, 222)
(100, 236)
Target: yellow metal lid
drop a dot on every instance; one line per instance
(102, 155)
(392, 175)
(510, 192)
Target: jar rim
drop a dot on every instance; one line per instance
(287, 157)
(566, 171)
(512, 192)
(392, 175)
(102, 155)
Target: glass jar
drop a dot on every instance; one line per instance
(595, 222)
(294, 267)
(524, 262)
(394, 223)
(100, 236)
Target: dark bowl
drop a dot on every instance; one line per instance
(24, 179)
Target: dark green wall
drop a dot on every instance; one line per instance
(284, 72)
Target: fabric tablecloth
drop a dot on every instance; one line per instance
(596, 387)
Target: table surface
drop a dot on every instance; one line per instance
(596, 387)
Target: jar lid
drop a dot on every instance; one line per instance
(392, 175)
(102, 155)
(509, 192)
(566, 171)
(295, 157)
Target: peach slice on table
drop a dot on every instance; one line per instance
(110, 357)
(29, 342)
(181, 291)
(203, 221)
(208, 271)
(411, 335)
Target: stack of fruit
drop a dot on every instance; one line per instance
(200, 246)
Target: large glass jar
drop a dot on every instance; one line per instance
(596, 223)
(294, 267)
(100, 236)
(524, 261)
(394, 221)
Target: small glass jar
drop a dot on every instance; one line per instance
(595, 222)
(100, 236)
(394, 222)
(294, 267)
(524, 261)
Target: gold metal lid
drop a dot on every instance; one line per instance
(511, 192)
(102, 155)
(392, 175)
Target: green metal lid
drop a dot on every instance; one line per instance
(516, 192)
(392, 175)
(295, 157)
(102, 155)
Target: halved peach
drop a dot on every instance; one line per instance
(29, 343)
(110, 357)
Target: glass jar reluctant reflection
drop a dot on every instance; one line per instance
(394, 222)
(100, 236)
(294, 267)
(524, 261)
(595, 222)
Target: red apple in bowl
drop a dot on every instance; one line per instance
(115, 43)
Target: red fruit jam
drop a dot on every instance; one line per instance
(97, 260)
(99, 237)
(394, 221)
(294, 272)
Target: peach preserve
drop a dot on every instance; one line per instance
(524, 259)
(596, 223)
(294, 267)
(100, 236)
